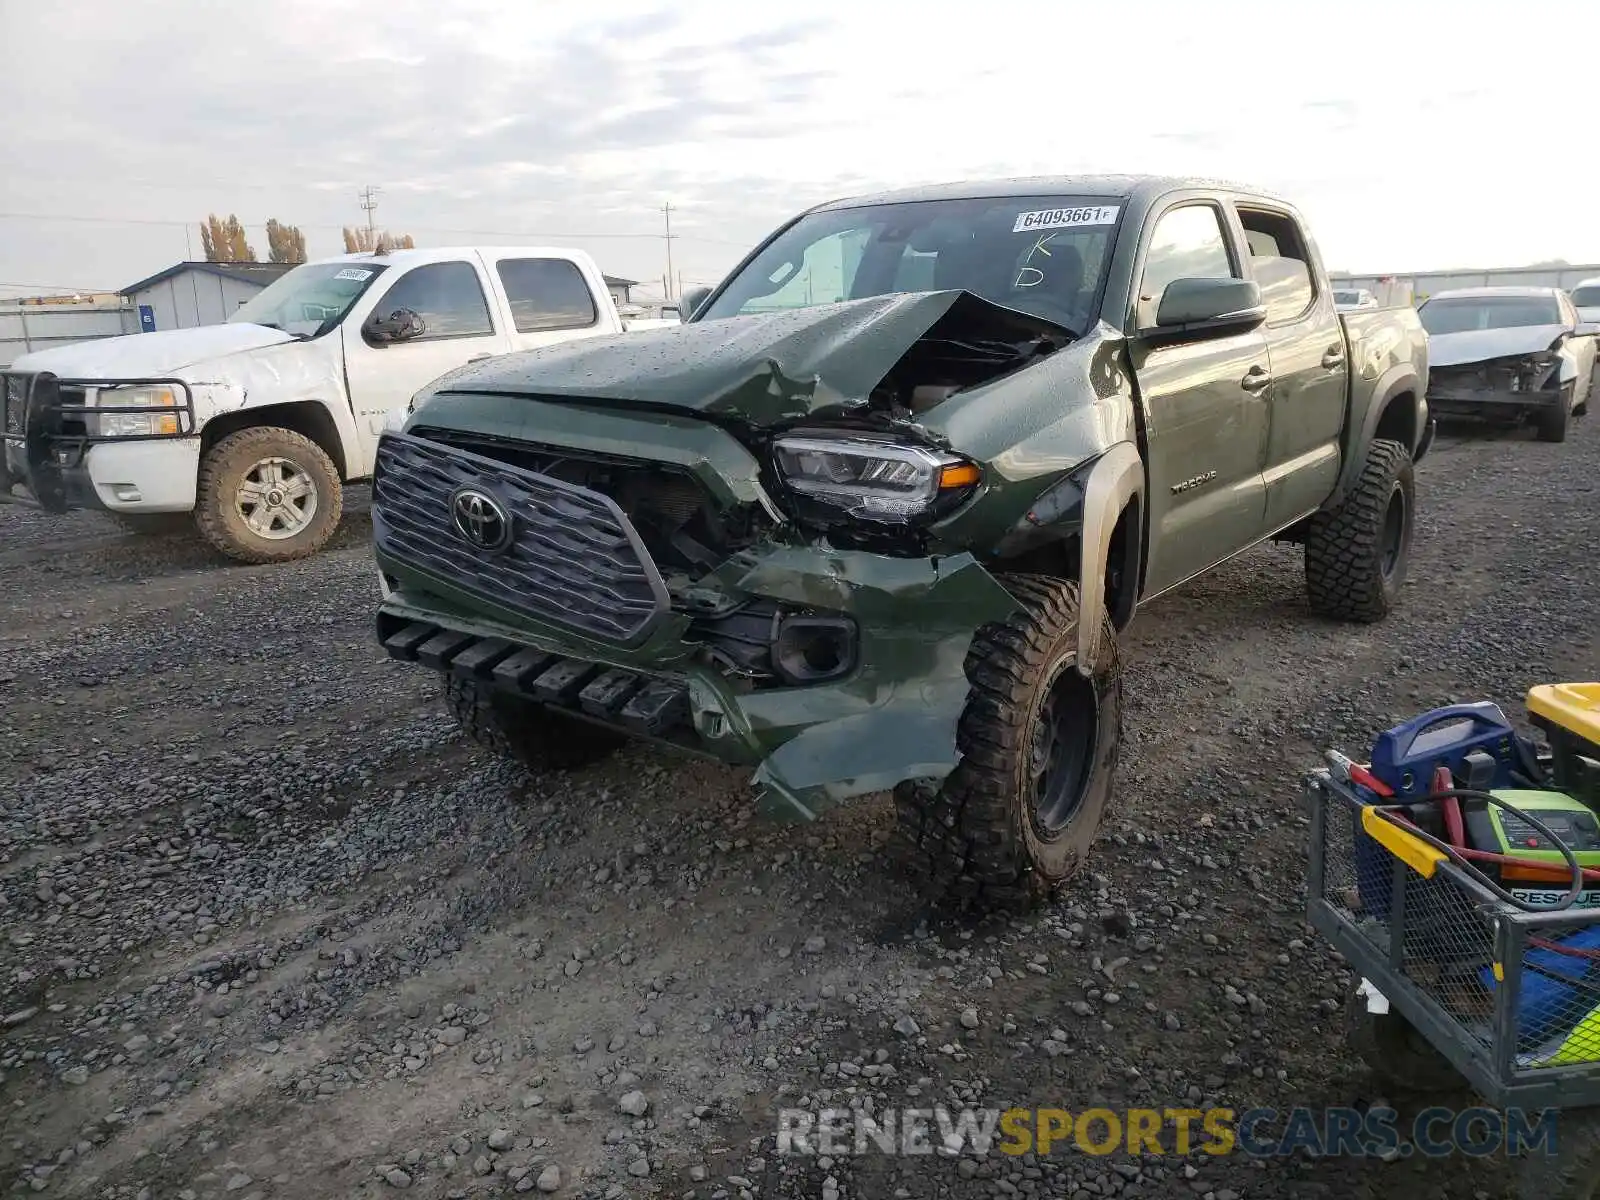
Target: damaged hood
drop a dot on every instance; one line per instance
(1480, 345)
(764, 368)
(150, 355)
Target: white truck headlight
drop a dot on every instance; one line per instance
(872, 479)
(152, 424)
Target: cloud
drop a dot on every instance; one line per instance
(570, 121)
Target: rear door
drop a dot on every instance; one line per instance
(1204, 402)
(1306, 349)
(550, 299)
(458, 326)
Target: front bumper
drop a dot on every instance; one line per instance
(584, 628)
(1492, 404)
(47, 447)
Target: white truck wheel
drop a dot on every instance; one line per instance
(268, 495)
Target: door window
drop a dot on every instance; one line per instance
(447, 296)
(1188, 243)
(546, 293)
(1280, 263)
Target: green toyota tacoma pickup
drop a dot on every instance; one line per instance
(873, 516)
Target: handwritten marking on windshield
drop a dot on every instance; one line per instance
(354, 273)
(1030, 276)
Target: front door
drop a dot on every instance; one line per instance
(1205, 411)
(457, 327)
(1306, 344)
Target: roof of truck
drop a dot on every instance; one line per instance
(440, 253)
(1109, 186)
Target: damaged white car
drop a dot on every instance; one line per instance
(1510, 355)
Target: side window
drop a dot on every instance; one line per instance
(546, 293)
(1280, 263)
(1188, 243)
(447, 296)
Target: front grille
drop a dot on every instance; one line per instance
(574, 560)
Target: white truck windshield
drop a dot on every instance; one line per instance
(311, 299)
(1043, 255)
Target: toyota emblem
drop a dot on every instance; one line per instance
(481, 519)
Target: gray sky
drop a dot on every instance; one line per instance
(1414, 134)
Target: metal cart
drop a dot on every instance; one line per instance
(1457, 984)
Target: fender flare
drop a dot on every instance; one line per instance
(1116, 477)
(1399, 378)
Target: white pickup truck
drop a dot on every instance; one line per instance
(250, 429)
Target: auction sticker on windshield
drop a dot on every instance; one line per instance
(354, 273)
(1066, 218)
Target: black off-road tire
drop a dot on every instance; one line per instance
(155, 524)
(975, 842)
(1552, 425)
(537, 737)
(1573, 1171)
(1355, 567)
(223, 470)
(1400, 1058)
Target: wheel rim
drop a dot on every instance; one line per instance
(1392, 540)
(276, 499)
(1065, 734)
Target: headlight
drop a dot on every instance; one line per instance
(137, 424)
(870, 479)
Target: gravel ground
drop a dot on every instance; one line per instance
(271, 930)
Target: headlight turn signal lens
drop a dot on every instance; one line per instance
(154, 424)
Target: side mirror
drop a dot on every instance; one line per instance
(691, 300)
(1209, 306)
(399, 326)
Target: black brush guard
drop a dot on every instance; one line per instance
(46, 434)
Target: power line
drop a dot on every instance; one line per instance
(429, 229)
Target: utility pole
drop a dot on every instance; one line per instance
(369, 202)
(666, 210)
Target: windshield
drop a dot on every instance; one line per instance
(1043, 255)
(1587, 297)
(311, 299)
(1347, 297)
(1466, 314)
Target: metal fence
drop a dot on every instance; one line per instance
(25, 328)
(1426, 283)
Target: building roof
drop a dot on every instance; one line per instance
(618, 281)
(259, 273)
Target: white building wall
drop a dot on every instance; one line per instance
(192, 298)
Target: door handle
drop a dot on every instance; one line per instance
(1255, 379)
(479, 357)
(1333, 358)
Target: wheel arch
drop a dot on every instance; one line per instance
(1088, 528)
(1398, 412)
(1113, 514)
(309, 418)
